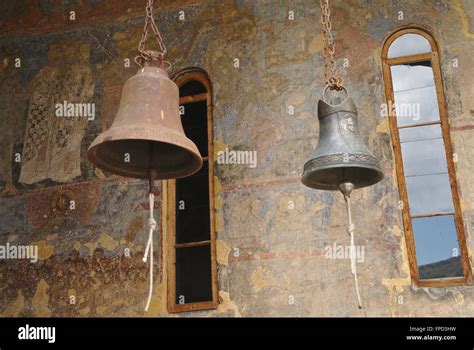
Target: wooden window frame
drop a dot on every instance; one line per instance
(169, 210)
(433, 56)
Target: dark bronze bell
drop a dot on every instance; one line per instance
(146, 139)
(341, 156)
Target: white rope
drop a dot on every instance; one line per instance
(350, 230)
(149, 248)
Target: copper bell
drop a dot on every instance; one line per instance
(341, 156)
(147, 131)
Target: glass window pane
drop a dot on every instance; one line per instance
(412, 75)
(420, 132)
(429, 194)
(423, 151)
(437, 247)
(416, 106)
(193, 274)
(409, 44)
(414, 93)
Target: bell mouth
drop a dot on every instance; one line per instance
(131, 158)
(331, 179)
(161, 150)
(331, 176)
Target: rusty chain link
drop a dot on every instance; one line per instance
(147, 55)
(333, 81)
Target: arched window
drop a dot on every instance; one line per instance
(424, 159)
(192, 267)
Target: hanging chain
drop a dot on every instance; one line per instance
(333, 81)
(144, 55)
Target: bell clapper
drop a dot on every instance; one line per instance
(346, 189)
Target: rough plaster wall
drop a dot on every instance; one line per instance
(280, 249)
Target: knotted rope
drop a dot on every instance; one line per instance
(350, 230)
(149, 248)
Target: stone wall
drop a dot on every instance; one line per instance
(279, 226)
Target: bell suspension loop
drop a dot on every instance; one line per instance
(148, 57)
(336, 100)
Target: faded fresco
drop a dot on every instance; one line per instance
(92, 254)
(52, 148)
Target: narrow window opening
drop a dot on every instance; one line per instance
(424, 160)
(192, 281)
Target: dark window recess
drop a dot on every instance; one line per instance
(194, 122)
(192, 87)
(193, 262)
(192, 207)
(193, 274)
